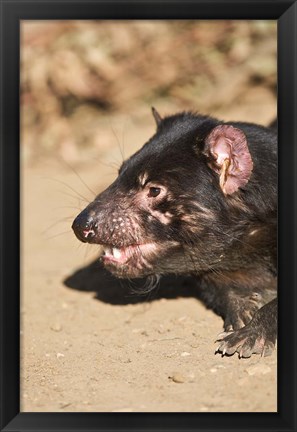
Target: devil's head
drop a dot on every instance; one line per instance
(173, 201)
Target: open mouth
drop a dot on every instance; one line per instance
(121, 256)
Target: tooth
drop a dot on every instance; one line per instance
(116, 253)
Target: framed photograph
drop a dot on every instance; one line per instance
(148, 208)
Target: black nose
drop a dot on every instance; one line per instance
(83, 227)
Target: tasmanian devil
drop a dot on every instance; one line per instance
(200, 197)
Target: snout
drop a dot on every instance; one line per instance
(84, 227)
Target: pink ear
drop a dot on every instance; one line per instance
(229, 157)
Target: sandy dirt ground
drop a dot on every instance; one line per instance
(88, 343)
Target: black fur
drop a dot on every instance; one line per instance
(227, 242)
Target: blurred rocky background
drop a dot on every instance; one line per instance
(84, 84)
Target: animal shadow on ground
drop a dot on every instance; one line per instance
(109, 289)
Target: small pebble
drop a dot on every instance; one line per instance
(258, 369)
(219, 366)
(56, 327)
(185, 354)
(194, 345)
(59, 355)
(204, 408)
(243, 381)
(64, 405)
(177, 378)
(170, 355)
(138, 330)
(191, 377)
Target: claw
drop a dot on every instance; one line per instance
(219, 349)
(222, 335)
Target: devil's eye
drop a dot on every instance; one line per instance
(154, 191)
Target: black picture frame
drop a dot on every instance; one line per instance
(12, 12)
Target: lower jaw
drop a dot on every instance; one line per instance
(130, 261)
(124, 270)
(137, 267)
(133, 267)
